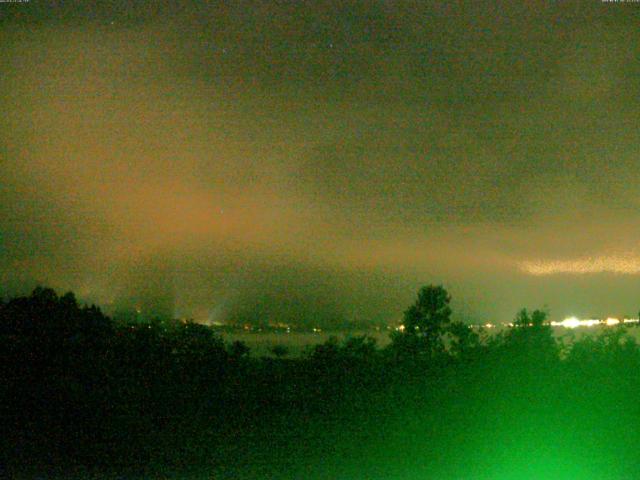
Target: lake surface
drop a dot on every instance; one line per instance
(298, 343)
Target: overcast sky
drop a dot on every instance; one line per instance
(323, 159)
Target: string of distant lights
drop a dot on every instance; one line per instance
(569, 322)
(573, 322)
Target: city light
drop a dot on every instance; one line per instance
(571, 322)
(574, 322)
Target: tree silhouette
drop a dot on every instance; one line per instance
(50, 318)
(326, 352)
(462, 339)
(426, 320)
(238, 350)
(280, 351)
(361, 347)
(535, 320)
(532, 338)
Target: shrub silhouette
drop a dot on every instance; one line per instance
(280, 351)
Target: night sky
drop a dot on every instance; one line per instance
(322, 160)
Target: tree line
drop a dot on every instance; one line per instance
(80, 391)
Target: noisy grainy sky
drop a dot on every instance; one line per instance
(322, 160)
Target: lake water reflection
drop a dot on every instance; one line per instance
(297, 343)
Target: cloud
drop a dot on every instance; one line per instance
(591, 265)
(233, 160)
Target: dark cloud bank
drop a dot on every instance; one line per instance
(322, 160)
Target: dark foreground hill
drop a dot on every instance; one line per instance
(84, 397)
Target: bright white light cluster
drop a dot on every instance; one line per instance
(574, 322)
